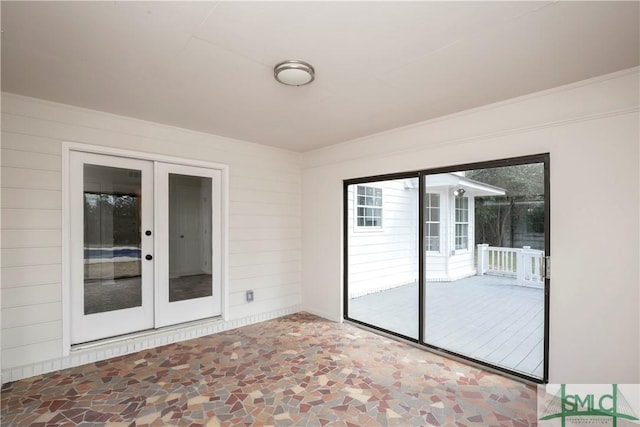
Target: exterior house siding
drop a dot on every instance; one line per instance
(387, 257)
(264, 221)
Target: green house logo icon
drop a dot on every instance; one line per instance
(588, 408)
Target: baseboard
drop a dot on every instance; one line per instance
(113, 348)
(323, 314)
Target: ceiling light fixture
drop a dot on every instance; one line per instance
(294, 73)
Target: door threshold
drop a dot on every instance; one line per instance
(452, 356)
(142, 334)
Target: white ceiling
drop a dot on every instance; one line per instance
(379, 65)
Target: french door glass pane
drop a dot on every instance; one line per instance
(383, 255)
(484, 287)
(112, 239)
(190, 237)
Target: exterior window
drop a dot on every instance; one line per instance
(462, 223)
(432, 222)
(369, 207)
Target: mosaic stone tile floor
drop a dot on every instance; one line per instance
(299, 370)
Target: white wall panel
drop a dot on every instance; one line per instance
(252, 283)
(15, 257)
(31, 238)
(31, 218)
(262, 294)
(31, 334)
(24, 355)
(34, 144)
(264, 306)
(29, 295)
(267, 209)
(239, 260)
(261, 184)
(30, 160)
(260, 221)
(249, 194)
(264, 230)
(268, 174)
(241, 233)
(261, 270)
(30, 178)
(31, 315)
(13, 277)
(248, 246)
(20, 198)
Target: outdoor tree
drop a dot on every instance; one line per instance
(497, 217)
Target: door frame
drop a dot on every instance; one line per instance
(67, 148)
(543, 158)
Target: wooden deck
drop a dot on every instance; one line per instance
(484, 317)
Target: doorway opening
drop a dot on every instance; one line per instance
(145, 244)
(455, 260)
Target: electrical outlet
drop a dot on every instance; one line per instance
(249, 296)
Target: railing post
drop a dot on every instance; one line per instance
(483, 258)
(521, 267)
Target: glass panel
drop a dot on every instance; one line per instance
(383, 265)
(190, 240)
(112, 270)
(487, 303)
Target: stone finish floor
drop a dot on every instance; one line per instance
(299, 370)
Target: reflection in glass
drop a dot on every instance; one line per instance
(190, 240)
(112, 274)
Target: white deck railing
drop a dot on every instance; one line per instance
(525, 265)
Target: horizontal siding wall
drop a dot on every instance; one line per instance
(384, 258)
(264, 218)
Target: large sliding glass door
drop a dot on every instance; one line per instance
(145, 244)
(484, 290)
(481, 291)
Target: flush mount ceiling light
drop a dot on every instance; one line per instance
(294, 73)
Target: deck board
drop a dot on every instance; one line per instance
(484, 317)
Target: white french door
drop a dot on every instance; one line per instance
(145, 245)
(188, 218)
(111, 210)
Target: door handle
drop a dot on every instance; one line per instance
(148, 257)
(182, 236)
